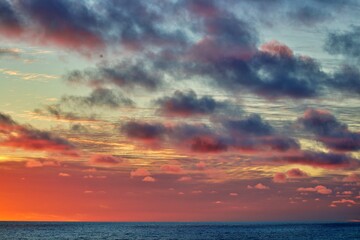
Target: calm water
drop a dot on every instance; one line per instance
(183, 231)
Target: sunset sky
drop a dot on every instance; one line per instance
(180, 110)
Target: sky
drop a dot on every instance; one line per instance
(180, 110)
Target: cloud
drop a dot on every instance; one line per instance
(171, 168)
(105, 160)
(200, 165)
(277, 49)
(343, 201)
(225, 36)
(265, 72)
(251, 125)
(346, 79)
(252, 133)
(184, 179)
(207, 144)
(64, 174)
(330, 131)
(56, 111)
(187, 104)
(143, 131)
(280, 178)
(87, 26)
(319, 189)
(38, 163)
(100, 97)
(148, 179)
(322, 160)
(125, 75)
(296, 173)
(353, 177)
(28, 138)
(290, 174)
(345, 43)
(249, 134)
(140, 172)
(12, 52)
(258, 186)
(308, 15)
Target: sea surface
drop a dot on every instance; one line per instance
(183, 231)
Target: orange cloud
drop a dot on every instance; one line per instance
(319, 189)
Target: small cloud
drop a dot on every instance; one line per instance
(148, 179)
(279, 178)
(64, 174)
(233, 194)
(319, 189)
(171, 168)
(201, 165)
(343, 201)
(140, 172)
(185, 179)
(258, 186)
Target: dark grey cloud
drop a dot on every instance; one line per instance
(268, 73)
(309, 15)
(345, 43)
(56, 111)
(143, 131)
(125, 74)
(334, 134)
(346, 79)
(323, 160)
(100, 97)
(187, 104)
(88, 26)
(252, 125)
(251, 134)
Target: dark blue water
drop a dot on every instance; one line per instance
(183, 231)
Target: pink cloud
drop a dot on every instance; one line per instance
(258, 186)
(344, 201)
(276, 48)
(171, 168)
(319, 189)
(292, 173)
(140, 172)
(279, 178)
(148, 179)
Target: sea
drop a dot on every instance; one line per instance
(174, 231)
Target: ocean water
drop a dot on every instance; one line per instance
(181, 231)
